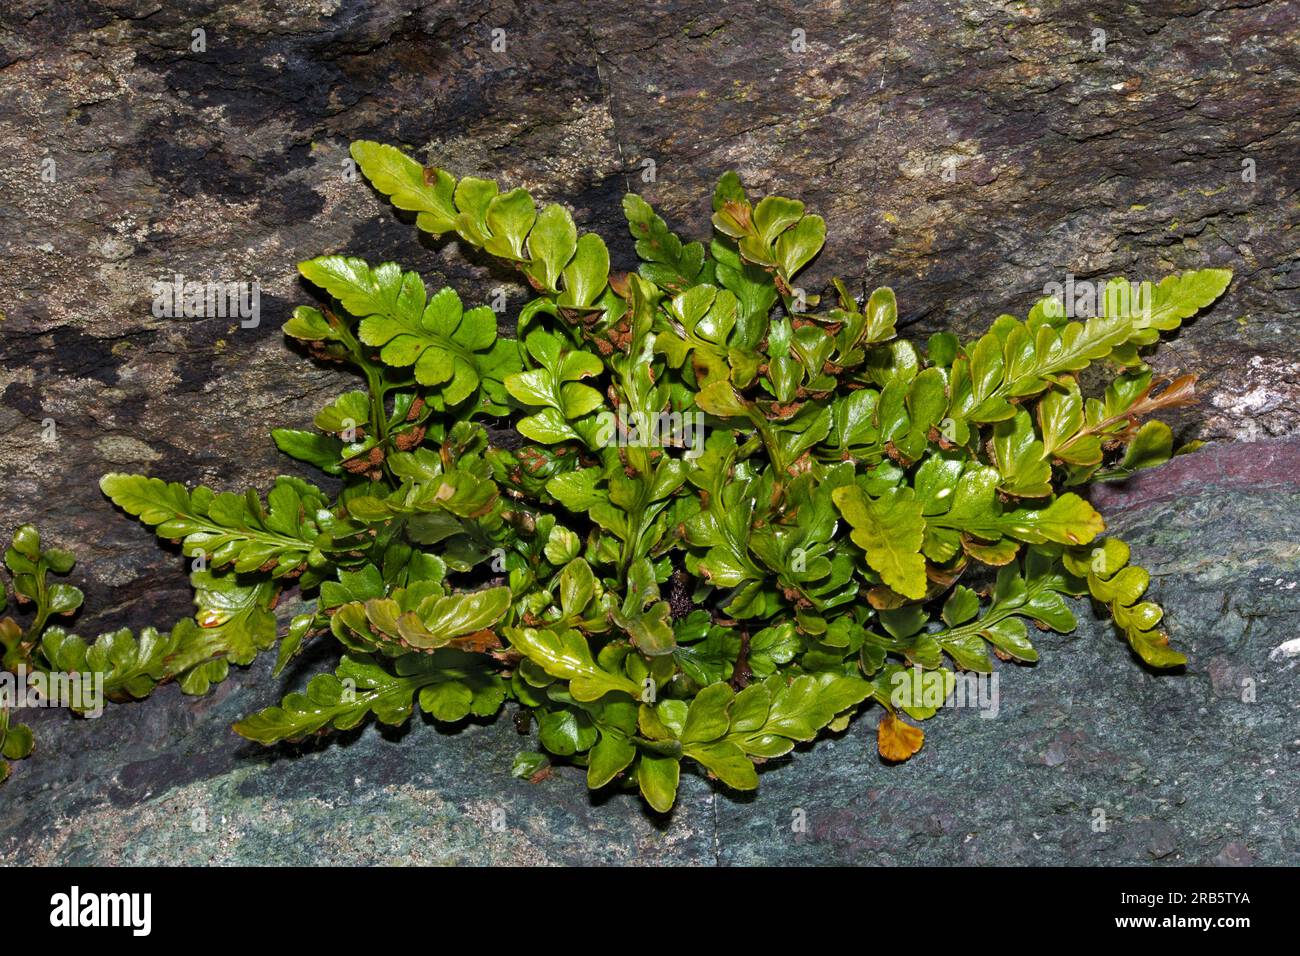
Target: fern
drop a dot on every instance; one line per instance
(852, 508)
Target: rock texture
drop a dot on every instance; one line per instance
(965, 154)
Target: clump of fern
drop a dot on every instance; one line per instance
(734, 516)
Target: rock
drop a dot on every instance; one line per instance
(1234, 854)
(966, 159)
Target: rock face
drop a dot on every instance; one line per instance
(964, 154)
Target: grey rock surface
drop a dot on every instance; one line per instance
(132, 157)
